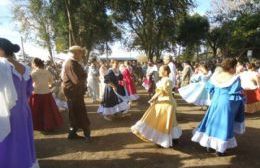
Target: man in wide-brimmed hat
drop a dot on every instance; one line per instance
(74, 78)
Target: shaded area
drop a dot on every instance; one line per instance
(115, 146)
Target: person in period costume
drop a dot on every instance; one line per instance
(102, 72)
(16, 128)
(144, 68)
(138, 74)
(129, 67)
(225, 115)
(45, 112)
(159, 123)
(74, 77)
(240, 67)
(150, 79)
(250, 82)
(196, 91)
(196, 68)
(114, 101)
(56, 88)
(59, 96)
(129, 83)
(93, 80)
(186, 74)
(172, 76)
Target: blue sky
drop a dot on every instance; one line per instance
(203, 6)
(9, 29)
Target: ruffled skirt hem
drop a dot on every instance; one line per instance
(121, 107)
(134, 97)
(195, 93)
(212, 142)
(146, 133)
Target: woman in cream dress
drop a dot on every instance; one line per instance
(159, 124)
(102, 72)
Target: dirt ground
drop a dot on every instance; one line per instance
(114, 146)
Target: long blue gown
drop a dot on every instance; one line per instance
(224, 118)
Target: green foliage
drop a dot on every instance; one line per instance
(35, 20)
(83, 22)
(192, 30)
(191, 33)
(151, 23)
(245, 34)
(152, 26)
(239, 30)
(217, 38)
(62, 23)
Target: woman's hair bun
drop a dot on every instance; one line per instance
(15, 48)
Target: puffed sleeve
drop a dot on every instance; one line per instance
(165, 88)
(236, 91)
(210, 88)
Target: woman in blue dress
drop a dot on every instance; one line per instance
(225, 116)
(196, 92)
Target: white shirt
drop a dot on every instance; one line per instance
(248, 80)
(172, 75)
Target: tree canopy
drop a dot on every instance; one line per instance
(152, 23)
(151, 26)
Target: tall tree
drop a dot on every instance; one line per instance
(151, 23)
(192, 31)
(217, 38)
(35, 22)
(240, 19)
(58, 24)
(85, 23)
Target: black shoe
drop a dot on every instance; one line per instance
(88, 139)
(209, 150)
(74, 136)
(175, 141)
(219, 154)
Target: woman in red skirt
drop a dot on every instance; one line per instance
(129, 82)
(46, 116)
(251, 85)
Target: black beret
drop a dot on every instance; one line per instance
(8, 47)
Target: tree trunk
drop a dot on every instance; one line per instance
(86, 56)
(149, 55)
(72, 40)
(214, 50)
(50, 53)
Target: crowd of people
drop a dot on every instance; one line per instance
(227, 89)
